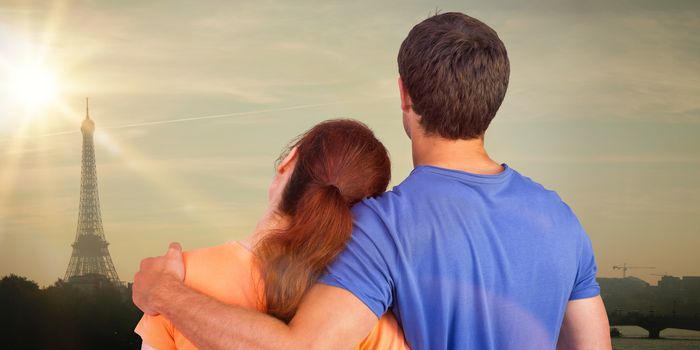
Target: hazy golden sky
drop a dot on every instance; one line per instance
(602, 107)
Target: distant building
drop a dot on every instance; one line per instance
(670, 283)
(628, 284)
(90, 263)
(691, 284)
(673, 296)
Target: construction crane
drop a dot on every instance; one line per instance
(624, 268)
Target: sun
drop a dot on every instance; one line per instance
(33, 86)
(31, 92)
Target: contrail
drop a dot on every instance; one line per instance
(214, 116)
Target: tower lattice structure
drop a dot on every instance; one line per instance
(90, 256)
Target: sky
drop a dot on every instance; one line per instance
(194, 101)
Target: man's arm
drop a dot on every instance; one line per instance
(585, 326)
(328, 318)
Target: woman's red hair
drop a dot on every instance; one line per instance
(339, 162)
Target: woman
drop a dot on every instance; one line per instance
(307, 223)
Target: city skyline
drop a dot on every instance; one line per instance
(193, 105)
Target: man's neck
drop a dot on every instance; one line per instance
(464, 155)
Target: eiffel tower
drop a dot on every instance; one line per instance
(90, 260)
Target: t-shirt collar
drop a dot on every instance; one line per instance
(482, 178)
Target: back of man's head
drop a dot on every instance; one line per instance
(455, 69)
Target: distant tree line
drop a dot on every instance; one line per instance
(102, 316)
(63, 316)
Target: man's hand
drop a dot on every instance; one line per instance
(155, 277)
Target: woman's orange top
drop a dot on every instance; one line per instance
(227, 273)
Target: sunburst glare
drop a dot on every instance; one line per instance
(33, 86)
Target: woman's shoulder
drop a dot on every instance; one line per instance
(225, 272)
(219, 256)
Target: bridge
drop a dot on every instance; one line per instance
(654, 324)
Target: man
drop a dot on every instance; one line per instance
(467, 252)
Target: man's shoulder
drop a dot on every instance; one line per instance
(540, 197)
(412, 185)
(382, 206)
(535, 190)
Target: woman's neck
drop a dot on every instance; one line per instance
(270, 222)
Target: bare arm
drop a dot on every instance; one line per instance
(585, 326)
(328, 318)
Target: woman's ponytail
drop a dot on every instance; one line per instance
(339, 163)
(292, 259)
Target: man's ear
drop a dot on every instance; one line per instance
(288, 161)
(406, 103)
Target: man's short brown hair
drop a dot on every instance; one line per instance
(455, 69)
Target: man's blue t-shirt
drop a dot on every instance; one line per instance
(468, 261)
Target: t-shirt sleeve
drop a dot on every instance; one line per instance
(157, 332)
(364, 267)
(585, 285)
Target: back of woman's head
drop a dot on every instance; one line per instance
(339, 162)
